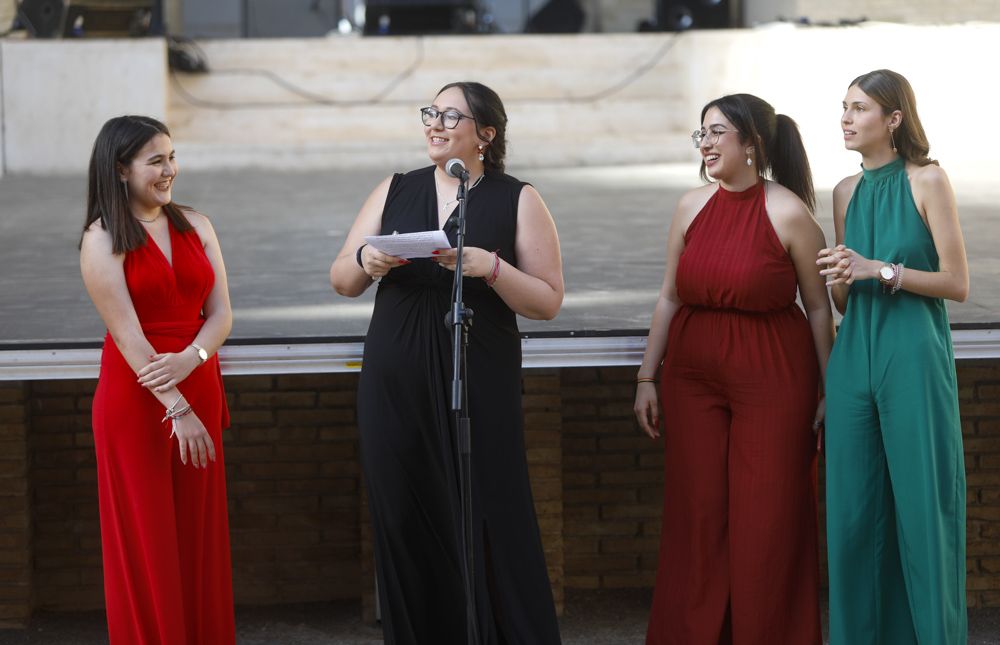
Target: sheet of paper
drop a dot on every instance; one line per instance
(410, 245)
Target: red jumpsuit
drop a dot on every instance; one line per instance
(738, 552)
(164, 526)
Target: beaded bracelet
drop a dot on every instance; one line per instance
(357, 256)
(898, 282)
(495, 273)
(171, 413)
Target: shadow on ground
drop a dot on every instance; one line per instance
(592, 618)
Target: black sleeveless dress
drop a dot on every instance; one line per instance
(407, 448)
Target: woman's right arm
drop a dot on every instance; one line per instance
(104, 278)
(647, 408)
(346, 276)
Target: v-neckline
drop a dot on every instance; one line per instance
(170, 238)
(442, 226)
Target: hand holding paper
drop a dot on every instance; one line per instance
(410, 245)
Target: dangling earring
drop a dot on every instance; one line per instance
(892, 140)
(481, 156)
(749, 161)
(125, 187)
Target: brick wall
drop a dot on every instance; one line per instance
(612, 483)
(292, 470)
(613, 476)
(296, 503)
(292, 474)
(15, 507)
(979, 398)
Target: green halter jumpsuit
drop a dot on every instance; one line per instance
(895, 470)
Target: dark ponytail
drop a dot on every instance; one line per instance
(776, 141)
(789, 163)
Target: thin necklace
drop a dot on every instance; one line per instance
(149, 221)
(449, 203)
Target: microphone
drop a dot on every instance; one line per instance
(456, 169)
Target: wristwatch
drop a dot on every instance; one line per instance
(202, 354)
(887, 274)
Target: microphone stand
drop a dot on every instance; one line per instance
(459, 319)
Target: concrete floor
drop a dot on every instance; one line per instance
(280, 231)
(591, 618)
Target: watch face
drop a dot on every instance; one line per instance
(202, 354)
(886, 272)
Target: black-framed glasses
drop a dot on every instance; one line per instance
(449, 118)
(712, 136)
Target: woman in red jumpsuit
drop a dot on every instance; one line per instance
(739, 368)
(155, 273)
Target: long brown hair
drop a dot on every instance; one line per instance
(775, 138)
(487, 110)
(893, 92)
(118, 142)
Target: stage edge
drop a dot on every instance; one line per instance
(319, 358)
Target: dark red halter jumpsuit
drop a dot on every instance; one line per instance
(738, 552)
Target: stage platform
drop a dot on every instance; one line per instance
(280, 231)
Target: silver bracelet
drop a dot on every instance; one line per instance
(898, 282)
(171, 413)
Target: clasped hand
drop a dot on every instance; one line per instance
(193, 439)
(167, 370)
(844, 266)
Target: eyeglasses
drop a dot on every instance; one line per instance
(449, 118)
(712, 136)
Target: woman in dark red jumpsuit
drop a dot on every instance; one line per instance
(739, 367)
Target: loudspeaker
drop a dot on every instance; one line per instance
(557, 17)
(414, 17)
(681, 15)
(89, 18)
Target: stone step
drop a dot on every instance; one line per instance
(570, 99)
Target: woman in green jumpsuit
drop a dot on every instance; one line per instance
(895, 474)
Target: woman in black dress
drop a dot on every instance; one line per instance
(511, 265)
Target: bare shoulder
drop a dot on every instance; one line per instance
(929, 177)
(201, 224)
(845, 187)
(96, 238)
(381, 191)
(691, 203)
(529, 192)
(531, 204)
(785, 207)
(196, 219)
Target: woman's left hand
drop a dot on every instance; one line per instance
(845, 266)
(476, 262)
(168, 370)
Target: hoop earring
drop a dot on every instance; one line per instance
(892, 140)
(481, 156)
